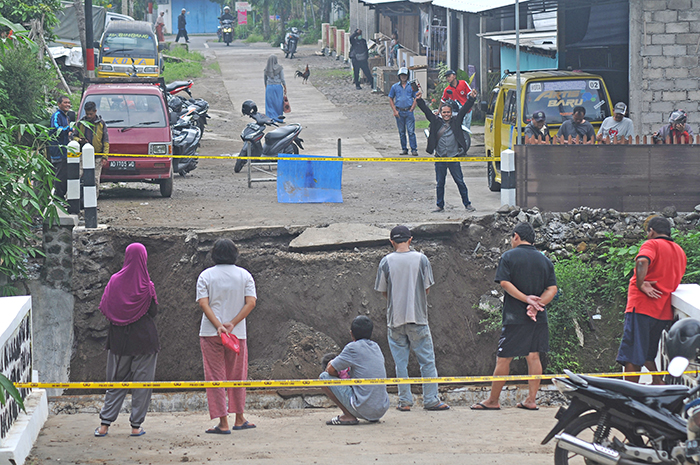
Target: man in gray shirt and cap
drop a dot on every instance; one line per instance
(404, 277)
(616, 126)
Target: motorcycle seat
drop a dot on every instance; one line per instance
(631, 389)
(279, 133)
(174, 85)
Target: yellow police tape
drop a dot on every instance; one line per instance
(350, 159)
(291, 383)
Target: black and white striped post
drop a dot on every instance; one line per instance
(508, 177)
(73, 175)
(89, 190)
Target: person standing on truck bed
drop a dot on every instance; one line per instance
(182, 27)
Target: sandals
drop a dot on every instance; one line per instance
(403, 408)
(438, 407)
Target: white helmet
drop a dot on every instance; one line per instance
(402, 70)
(226, 8)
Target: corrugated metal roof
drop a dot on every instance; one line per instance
(544, 40)
(474, 6)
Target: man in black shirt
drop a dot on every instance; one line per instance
(182, 27)
(527, 277)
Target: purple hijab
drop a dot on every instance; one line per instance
(129, 292)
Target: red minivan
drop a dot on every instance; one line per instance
(136, 116)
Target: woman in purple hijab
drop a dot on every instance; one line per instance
(129, 303)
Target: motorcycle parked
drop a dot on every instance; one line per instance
(281, 140)
(186, 138)
(179, 107)
(227, 31)
(615, 422)
(291, 40)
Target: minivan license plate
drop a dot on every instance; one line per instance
(122, 165)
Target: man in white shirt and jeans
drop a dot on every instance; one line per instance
(404, 277)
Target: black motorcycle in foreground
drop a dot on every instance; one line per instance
(615, 422)
(281, 140)
(180, 106)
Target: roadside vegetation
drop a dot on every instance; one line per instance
(586, 316)
(185, 65)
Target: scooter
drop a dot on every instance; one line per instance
(465, 129)
(186, 139)
(291, 39)
(227, 31)
(613, 422)
(281, 140)
(179, 107)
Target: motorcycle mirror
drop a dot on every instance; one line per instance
(677, 366)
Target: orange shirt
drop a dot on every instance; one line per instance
(666, 266)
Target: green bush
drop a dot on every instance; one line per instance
(26, 178)
(596, 284)
(252, 38)
(184, 54)
(23, 78)
(182, 71)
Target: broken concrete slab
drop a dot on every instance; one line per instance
(339, 236)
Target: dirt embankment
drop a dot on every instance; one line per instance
(306, 301)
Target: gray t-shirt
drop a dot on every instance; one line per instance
(569, 128)
(447, 145)
(611, 128)
(365, 360)
(405, 276)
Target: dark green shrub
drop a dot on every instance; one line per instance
(23, 78)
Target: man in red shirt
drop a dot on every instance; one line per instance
(660, 266)
(459, 91)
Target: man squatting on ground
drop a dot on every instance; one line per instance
(527, 277)
(404, 277)
(402, 99)
(659, 268)
(447, 140)
(364, 360)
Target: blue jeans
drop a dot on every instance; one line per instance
(456, 172)
(417, 338)
(343, 393)
(406, 122)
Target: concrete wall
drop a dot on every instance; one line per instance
(664, 71)
(53, 302)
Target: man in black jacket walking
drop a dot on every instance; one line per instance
(446, 139)
(359, 54)
(181, 27)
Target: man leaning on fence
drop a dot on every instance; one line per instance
(92, 129)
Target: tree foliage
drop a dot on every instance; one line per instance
(23, 77)
(22, 11)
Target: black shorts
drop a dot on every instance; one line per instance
(521, 340)
(640, 339)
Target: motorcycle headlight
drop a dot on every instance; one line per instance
(157, 149)
(563, 386)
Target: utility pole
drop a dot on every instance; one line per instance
(89, 40)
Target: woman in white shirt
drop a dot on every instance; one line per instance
(226, 295)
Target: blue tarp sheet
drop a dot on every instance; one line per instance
(307, 181)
